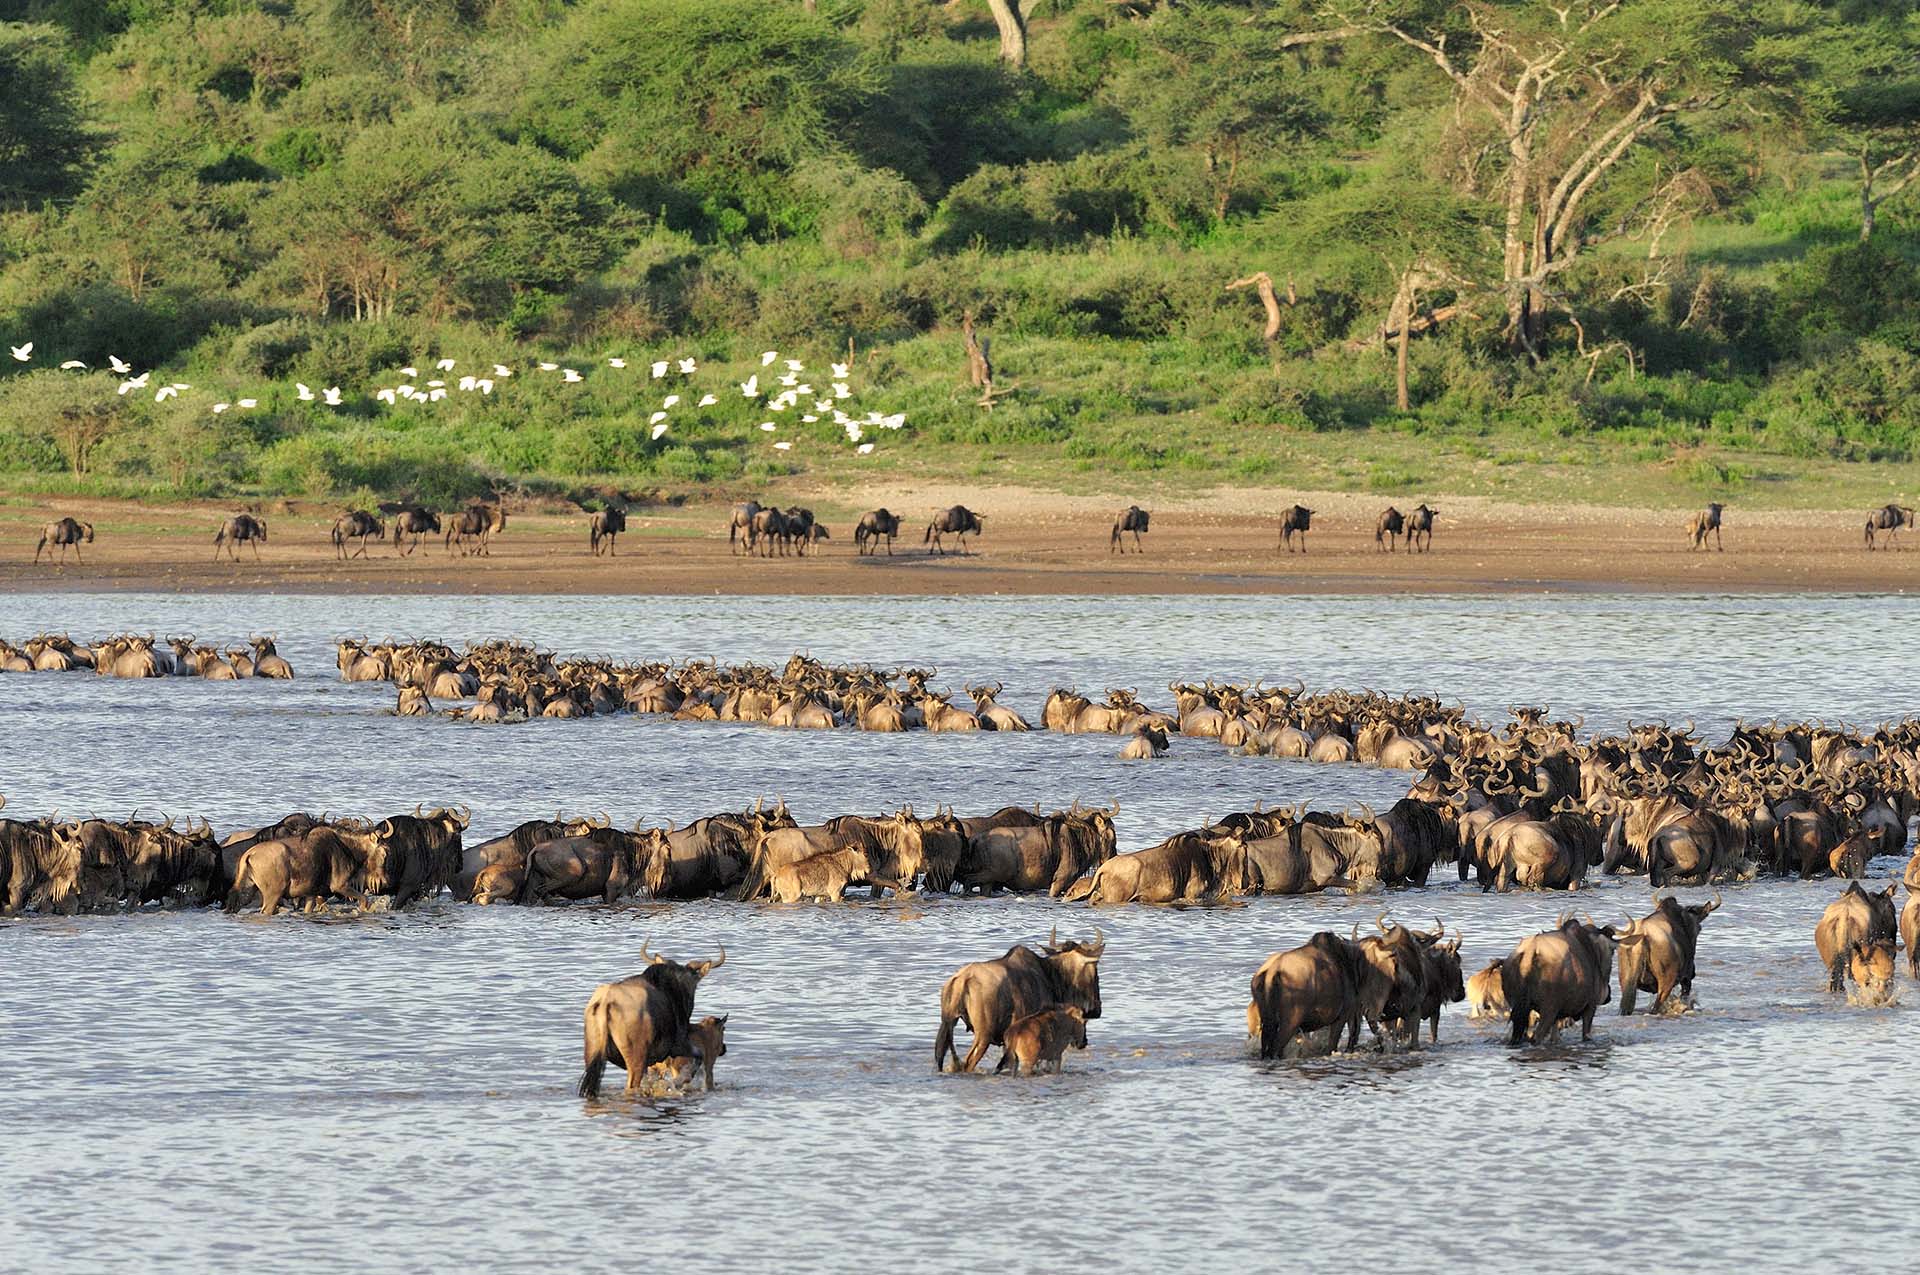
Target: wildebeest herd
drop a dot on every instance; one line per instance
(142, 655)
(768, 531)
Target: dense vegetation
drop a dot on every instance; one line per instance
(1674, 234)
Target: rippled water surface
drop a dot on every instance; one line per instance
(187, 1091)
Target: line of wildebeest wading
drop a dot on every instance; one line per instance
(766, 530)
(1526, 804)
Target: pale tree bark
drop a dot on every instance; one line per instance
(1262, 283)
(1010, 16)
(1563, 127)
(1899, 172)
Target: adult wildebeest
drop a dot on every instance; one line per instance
(988, 997)
(240, 527)
(1387, 529)
(411, 520)
(1420, 529)
(1854, 917)
(1562, 974)
(642, 1020)
(1040, 1041)
(1188, 867)
(308, 868)
(412, 856)
(1050, 855)
(1910, 930)
(872, 526)
(1298, 519)
(1132, 519)
(1663, 959)
(1312, 987)
(1148, 741)
(958, 521)
(1707, 520)
(64, 532)
(477, 523)
(740, 525)
(356, 524)
(1888, 518)
(603, 528)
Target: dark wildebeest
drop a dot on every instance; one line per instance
(1297, 519)
(1420, 529)
(236, 529)
(1854, 917)
(413, 521)
(478, 523)
(773, 527)
(1663, 960)
(642, 1020)
(1707, 520)
(1132, 519)
(988, 997)
(1386, 531)
(1315, 986)
(64, 532)
(1039, 1042)
(1561, 975)
(412, 856)
(958, 521)
(1050, 855)
(872, 526)
(356, 524)
(1888, 518)
(740, 525)
(510, 852)
(603, 528)
(1443, 984)
(267, 661)
(600, 864)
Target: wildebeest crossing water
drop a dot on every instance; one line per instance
(387, 1063)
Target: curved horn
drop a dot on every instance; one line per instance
(652, 958)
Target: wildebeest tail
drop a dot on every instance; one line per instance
(242, 878)
(596, 1047)
(928, 538)
(1837, 971)
(949, 1015)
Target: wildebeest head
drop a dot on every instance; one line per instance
(1075, 971)
(1870, 966)
(677, 980)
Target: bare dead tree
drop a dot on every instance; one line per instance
(980, 363)
(1262, 283)
(1898, 173)
(1011, 17)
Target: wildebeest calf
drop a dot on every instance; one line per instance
(1042, 1039)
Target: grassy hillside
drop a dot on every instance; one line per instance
(243, 196)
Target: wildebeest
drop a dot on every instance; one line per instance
(1133, 519)
(600, 863)
(1188, 867)
(988, 997)
(240, 527)
(1387, 529)
(1663, 958)
(1707, 520)
(478, 523)
(308, 868)
(1855, 917)
(958, 521)
(740, 525)
(1049, 855)
(64, 532)
(1308, 989)
(1888, 518)
(604, 527)
(823, 876)
(414, 855)
(642, 1020)
(1039, 1042)
(1486, 995)
(1870, 967)
(267, 661)
(1420, 529)
(411, 520)
(1910, 930)
(708, 1039)
(1561, 975)
(356, 524)
(509, 853)
(1148, 741)
(871, 527)
(1298, 519)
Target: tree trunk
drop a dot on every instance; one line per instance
(1262, 283)
(1007, 15)
(979, 369)
(1403, 306)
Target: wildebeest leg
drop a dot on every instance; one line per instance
(1006, 1061)
(270, 896)
(256, 549)
(977, 1052)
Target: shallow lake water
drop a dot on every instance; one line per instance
(395, 1092)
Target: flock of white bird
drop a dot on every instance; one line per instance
(795, 393)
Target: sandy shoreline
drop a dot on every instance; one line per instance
(1036, 542)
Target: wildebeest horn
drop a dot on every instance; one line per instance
(1053, 936)
(1099, 944)
(1715, 905)
(653, 958)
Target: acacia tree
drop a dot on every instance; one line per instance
(1010, 16)
(1425, 238)
(44, 139)
(1206, 82)
(1551, 99)
(1868, 88)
